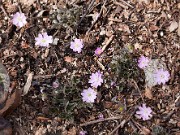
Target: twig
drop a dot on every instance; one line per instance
(127, 3)
(168, 115)
(100, 65)
(90, 5)
(138, 89)
(43, 76)
(2, 7)
(19, 7)
(120, 125)
(119, 4)
(99, 120)
(108, 42)
(97, 17)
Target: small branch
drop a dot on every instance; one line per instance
(100, 65)
(120, 125)
(136, 86)
(90, 5)
(97, 17)
(121, 5)
(2, 7)
(43, 76)
(99, 120)
(107, 43)
(127, 3)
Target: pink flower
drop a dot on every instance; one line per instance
(55, 84)
(144, 112)
(88, 95)
(77, 45)
(101, 116)
(82, 132)
(161, 76)
(98, 51)
(43, 40)
(143, 62)
(96, 79)
(19, 19)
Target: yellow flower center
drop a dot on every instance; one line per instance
(76, 45)
(20, 19)
(89, 95)
(162, 76)
(43, 41)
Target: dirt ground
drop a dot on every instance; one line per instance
(125, 30)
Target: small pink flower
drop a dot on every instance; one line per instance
(77, 45)
(83, 133)
(43, 40)
(98, 51)
(89, 95)
(143, 62)
(101, 116)
(161, 76)
(19, 19)
(144, 112)
(55, 84)
(96, 79)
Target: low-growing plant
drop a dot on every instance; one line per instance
(124, 68)
(66, 99)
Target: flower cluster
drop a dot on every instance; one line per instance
(154, 71)
(89, 95)
(144, 112)
(19, 19)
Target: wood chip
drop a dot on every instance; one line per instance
(179, 29)
(68, 59)
(28, 83)
(173, 26)
(148, 93)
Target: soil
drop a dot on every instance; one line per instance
(46, 82)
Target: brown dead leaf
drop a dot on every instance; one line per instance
(173, 26)
(68, 59)
(107, 104)
(41, 131)
(148, 93)
(28, 83)
(24, 45)
(153, 28)
(72, 131)
(27, 2)
(124, 27)
(43, 119)
(11, 103)
(145, 131)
